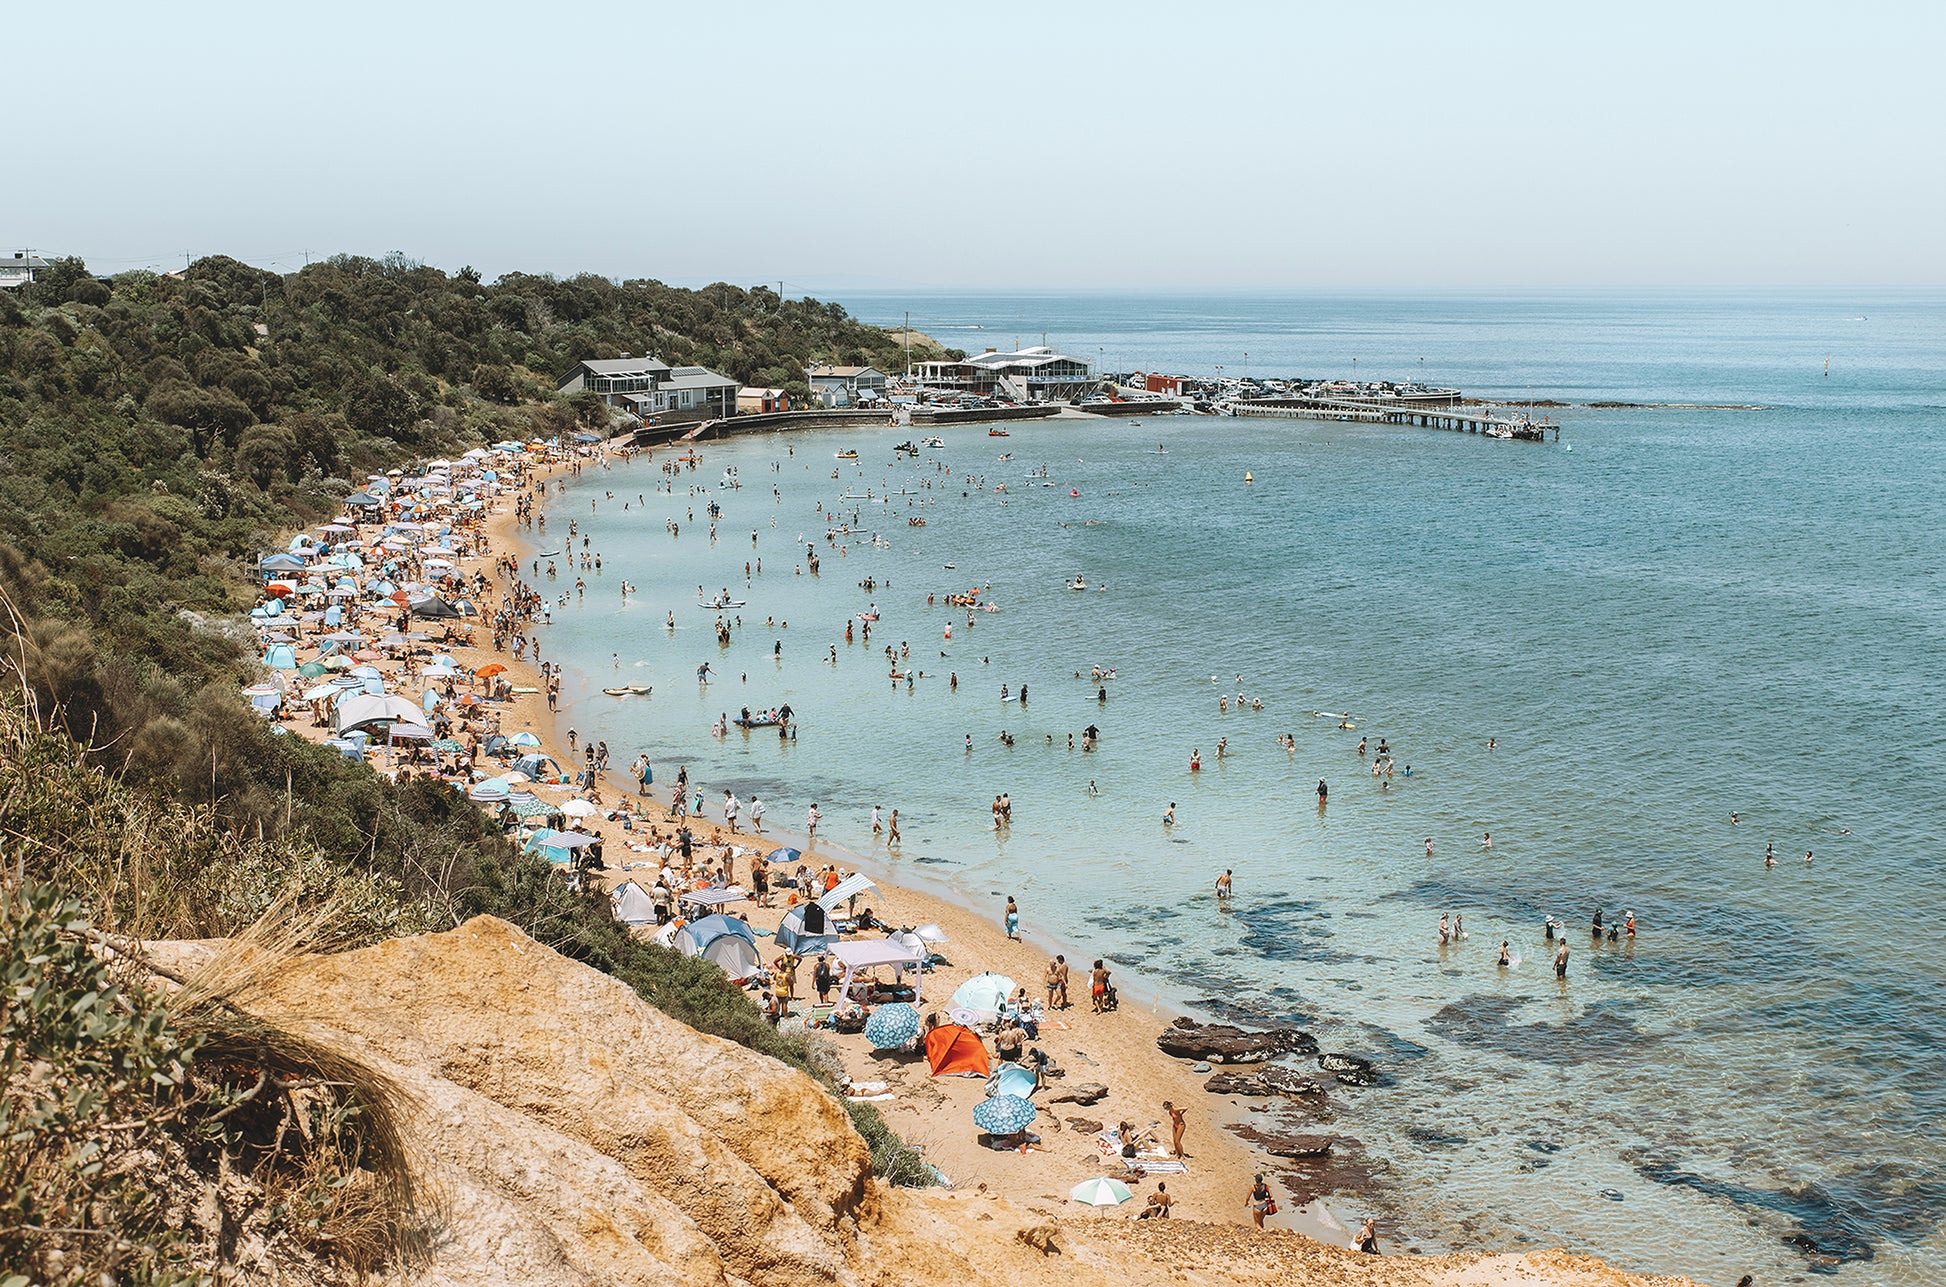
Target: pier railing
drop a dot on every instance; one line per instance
(1371, 411)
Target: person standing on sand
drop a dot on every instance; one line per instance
(1259, 1201)
(1061, 980)
(1098, 985)
(1013, 919)
(1175, 1128)
(1051, 980)
(1367, 1238)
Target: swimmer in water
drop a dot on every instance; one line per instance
(1169, 815)
(1486, 841)
(1504, 960)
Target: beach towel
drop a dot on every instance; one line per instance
(870, 1099)
(1164, 1166)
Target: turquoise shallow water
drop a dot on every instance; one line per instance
(1690, 612)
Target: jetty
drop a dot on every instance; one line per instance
(1518, 426)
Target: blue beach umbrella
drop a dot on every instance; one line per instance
(784, 855)
(1012, 1079)
(524, 739)
(1003, 1114)
(892, 1027)
(984, 993)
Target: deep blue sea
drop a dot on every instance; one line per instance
(1671, 615)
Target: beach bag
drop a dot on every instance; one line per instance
(1270, 1207)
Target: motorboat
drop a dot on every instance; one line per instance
(935, 442)
(719, 603)
(846, 455)
(998, 433)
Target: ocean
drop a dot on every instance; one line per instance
(1597, 650)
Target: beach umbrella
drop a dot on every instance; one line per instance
(984, 993)
(260, 690)
(929, 933)
(1003, 1114)
(1013, 1079)
(311, 669)
(490, 670)
(579, 808)
(322, 690)
(892, 1027)
(784, 855)
(1101, 1192)
(524, 739)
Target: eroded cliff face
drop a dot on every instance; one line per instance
(570, 1133)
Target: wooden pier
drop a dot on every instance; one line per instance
(1383, 411)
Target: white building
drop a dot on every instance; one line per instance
(20, 269)
(1032, 374)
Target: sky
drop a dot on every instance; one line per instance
(1051, 146)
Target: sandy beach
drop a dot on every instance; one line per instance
(1116, 1050)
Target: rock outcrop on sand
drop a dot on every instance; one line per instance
(573, 1134)
(1220, 1043)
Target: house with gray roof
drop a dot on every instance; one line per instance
(650, 389)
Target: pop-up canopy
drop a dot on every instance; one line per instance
(872, 953)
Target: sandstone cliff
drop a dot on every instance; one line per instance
(571, 1134)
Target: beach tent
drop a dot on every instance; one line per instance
(858, 957)
(856, 883)
(983, 994)
(540, 767)
(558, 847)
(693, 937)
(954, 1051)
(728, 943)
(798, 941)
(434, 607)
(633, 906)
(281, 657)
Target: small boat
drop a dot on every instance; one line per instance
(616, 692)
(935, 442)
(846, 455)
(907, 446)
(998, 433)
(641, 690)
(715, 605)
(757, 721)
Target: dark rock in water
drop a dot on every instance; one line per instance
(1263, 1081)
(1219, 1043)
(1087, 1092)
(1303, 1146)
(1352, 1070)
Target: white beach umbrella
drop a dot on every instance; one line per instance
(1101, 1192)
(578, 808)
